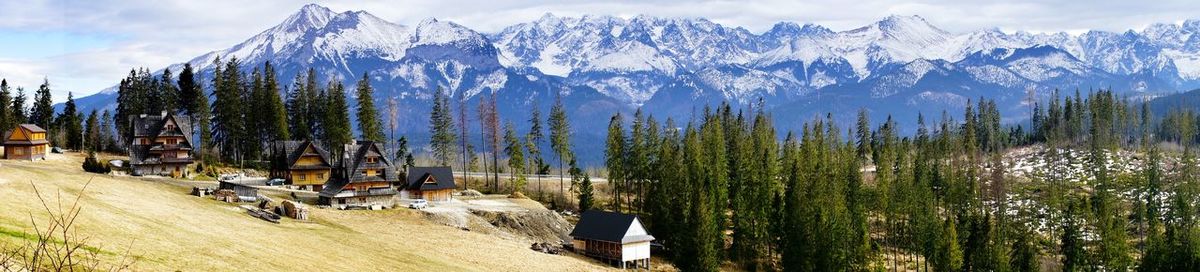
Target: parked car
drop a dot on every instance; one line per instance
(275, 182)
(418, 204)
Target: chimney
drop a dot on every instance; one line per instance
(142, 115)
(164, 114)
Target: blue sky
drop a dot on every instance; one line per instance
(85, 46)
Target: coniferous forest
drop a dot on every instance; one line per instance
(1090, 182)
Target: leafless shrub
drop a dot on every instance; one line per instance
(57, 245)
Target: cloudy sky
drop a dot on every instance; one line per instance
(84, 46)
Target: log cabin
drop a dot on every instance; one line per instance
(160, 145)
(26, 142)
(301, 163)
(613, 237)
(429, 183)
(363, 178)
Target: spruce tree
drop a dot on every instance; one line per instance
(19, 115)
(615, 156)
(337, 118)
(168, 92)
(7, 121)
(560, 137)
(516, 158)
(369, 124)
(92, 133)
(274, 122)
(69, 123)
(441, 125)
(533, 143)
(42, 113)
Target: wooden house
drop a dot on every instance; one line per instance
(363, 177)
(429, 183)
(614, 237)
(301, 163)
(26, 142)
(160, 145)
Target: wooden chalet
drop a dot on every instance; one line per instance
(363, 178)
(429, 183)
(614, 237)
(301, 163)
(161, 144)
(26, 142)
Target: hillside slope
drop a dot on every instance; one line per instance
(169, 230)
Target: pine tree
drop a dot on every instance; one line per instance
(516, 158)
(274, 124)
(19, 115)
(168, 92)
(298, 105)
(228, 125)
(92, 133)
(106, 141)
(7, 121)
(442, 125)
(863, 134)
(337, 117)
(560, 136)
(42, 113)
(585, 189)
(615, 155)
(368, 116)
(533, 143)
(189, 92)
(69, 123)
(403, 153)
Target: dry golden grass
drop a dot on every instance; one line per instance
(168, 230)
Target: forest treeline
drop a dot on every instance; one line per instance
(724, 188)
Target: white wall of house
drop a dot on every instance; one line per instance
(635, 251)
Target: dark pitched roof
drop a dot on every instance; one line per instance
(607, 226)
(152, 126)
(442, 175)
(332, 187)
(356, 163)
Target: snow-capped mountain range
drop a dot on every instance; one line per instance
(673, 67)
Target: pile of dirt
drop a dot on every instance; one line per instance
(471, 193)
(542, 226)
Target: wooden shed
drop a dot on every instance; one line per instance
(245, 192)
(614, 237)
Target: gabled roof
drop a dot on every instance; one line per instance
(356, 163)
(297, 149)
(332, 187)
(610, 227)
(31, 128)
(152, 126)
(442, 177)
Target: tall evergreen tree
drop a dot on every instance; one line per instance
(274, 122)
(42, 113)
(336, 123)
(69, 124)
(560, 136)
(441, 124)
(368, 116)
(7, 121)
(19, 115)
(516, 158)
(91, 137)
(615, 155)
(533, 143)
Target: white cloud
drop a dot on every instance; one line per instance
(156, 33)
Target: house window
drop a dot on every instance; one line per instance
(320, 175)
(143, 141)
(172, 141)
(302, 177)
(371, 159)
(18, 151)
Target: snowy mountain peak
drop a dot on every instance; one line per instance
(311, 16)
(907, 24)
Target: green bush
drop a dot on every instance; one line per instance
(91, 164)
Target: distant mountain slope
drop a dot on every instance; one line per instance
(673, 67)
